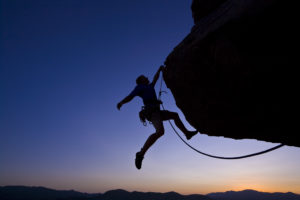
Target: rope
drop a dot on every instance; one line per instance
(209, 155)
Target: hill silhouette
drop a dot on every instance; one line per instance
(42, 193)
(124, 195)
(253, 195)
(37, 193)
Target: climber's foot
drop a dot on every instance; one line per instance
(138, 160)
(191, 134)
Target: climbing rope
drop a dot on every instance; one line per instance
(209, 155)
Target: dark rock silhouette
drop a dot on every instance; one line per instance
(228, 76)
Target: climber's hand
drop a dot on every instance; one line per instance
(119, 105)
(161, 68)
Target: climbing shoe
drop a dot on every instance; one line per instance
(138, 160)
(191, 134)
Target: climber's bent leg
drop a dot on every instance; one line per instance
(167, 115)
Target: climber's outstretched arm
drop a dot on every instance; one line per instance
(125, 100)
(156, 76)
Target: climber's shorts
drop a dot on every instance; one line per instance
(158, 117)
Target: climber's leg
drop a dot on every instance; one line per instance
(167, 115)
(158, 125)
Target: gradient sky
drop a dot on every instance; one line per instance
(65, 64)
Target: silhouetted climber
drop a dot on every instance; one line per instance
(151, 111)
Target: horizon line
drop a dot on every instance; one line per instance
(131, 191)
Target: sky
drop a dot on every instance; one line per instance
(64, 66)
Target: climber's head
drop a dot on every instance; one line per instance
(142, 80)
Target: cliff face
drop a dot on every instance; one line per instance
(228, 75)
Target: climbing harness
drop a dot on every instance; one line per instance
(209, 155)
(143, 116)
(146, 112)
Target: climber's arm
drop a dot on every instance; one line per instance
(156, 76)
(125, 100)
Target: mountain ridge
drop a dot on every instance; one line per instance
(43, 193)
(249, 194)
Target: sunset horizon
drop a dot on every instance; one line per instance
(149, 191)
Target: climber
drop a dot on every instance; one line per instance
(151, 111)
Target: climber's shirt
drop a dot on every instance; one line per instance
(147, 93)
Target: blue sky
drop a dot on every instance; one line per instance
(65, 64)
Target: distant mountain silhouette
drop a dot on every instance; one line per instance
(37, 193)
(41, 193)
(124, 195)
(253, 195)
